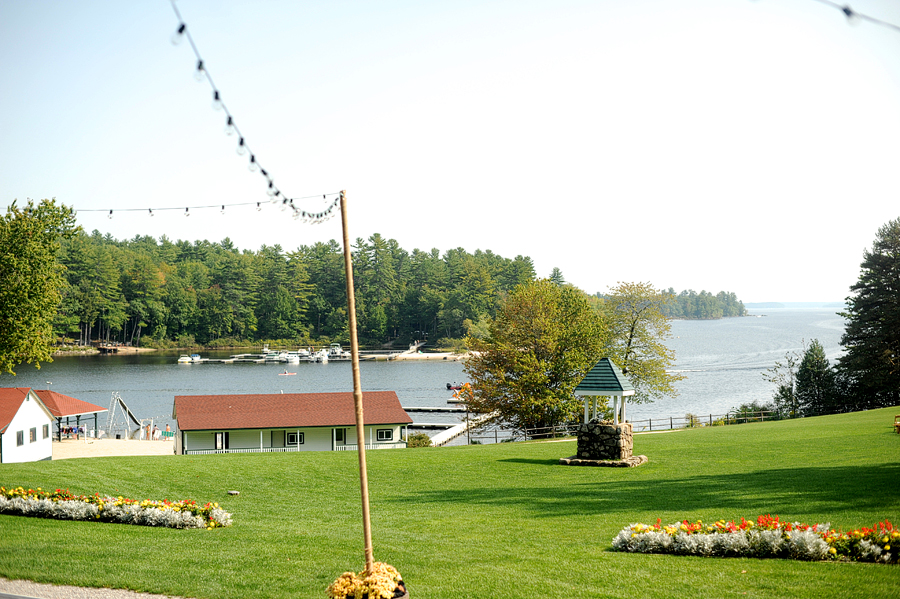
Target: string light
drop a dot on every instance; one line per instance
(231, 128)
(854, 16)
(299, 214)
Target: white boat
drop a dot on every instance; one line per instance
(336, 352)
(196, 358)
(184, 360)
(320, 356)
(292, 357)
(276, 356)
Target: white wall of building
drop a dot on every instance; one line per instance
(32, 416)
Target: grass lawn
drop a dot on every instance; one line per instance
(491, 521)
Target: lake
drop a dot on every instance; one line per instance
(723, 361)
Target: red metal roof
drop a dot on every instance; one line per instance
(229, 412)
(10, 401)
(62, 405)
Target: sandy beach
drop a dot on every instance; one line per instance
(96, 448)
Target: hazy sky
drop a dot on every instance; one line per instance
(730, 145)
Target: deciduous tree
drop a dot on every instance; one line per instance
(30, 280)
(638, 332)
(542, 342)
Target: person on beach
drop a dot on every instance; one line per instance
(156, 433)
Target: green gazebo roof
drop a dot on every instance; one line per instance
(605, 379)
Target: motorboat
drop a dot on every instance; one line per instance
(336, 352)
(292, 357)
(185, 359)
(276, 356)
(320, 356)
(196, 358)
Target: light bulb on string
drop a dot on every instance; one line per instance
(151, 211)
(223, 210)
(199, 72)
(217, 101)
(271, 191)
(284, 205)
(109, 215)
(187, 212)
(241, 148)
(253, 165)
(258, 206)
(852, 17)
(229, 125)
(178, 35)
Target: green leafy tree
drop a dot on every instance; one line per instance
(871, 363)
(542, 342)
(30, 280)
(639, 330)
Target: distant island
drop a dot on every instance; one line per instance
(794, 305)
(690, 305)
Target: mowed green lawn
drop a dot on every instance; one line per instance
(493, 521)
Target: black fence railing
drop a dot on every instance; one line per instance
(504, 435)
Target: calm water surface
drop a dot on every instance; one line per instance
(722, 360)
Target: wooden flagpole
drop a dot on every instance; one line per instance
(357, 391)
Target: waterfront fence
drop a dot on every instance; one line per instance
(504, 435)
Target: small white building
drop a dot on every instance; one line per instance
(24, 427)
(286, 422)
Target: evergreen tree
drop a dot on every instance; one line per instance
(815, 390)
(871, 364)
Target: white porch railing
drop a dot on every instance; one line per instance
(395, 445)
(241, 450)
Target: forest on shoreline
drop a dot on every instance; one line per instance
(164, 293)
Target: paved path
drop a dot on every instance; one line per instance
(19, 589)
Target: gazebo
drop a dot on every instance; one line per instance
(604, 443)
(605, 379)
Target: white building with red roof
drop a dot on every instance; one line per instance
(286, 422)
(24, 427)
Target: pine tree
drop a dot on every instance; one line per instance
(871, 364)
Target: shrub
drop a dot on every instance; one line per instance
(418, 440)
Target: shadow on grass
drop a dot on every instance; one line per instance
(534, 461)
(787, 490)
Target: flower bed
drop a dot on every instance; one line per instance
(768, 537)
(63, 505)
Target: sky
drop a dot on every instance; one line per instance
(736, 145)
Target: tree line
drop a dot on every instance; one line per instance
(145, 290)
(690, 305)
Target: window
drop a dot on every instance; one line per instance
(46, 431)
(385, 434)
(20, 438)
(222, 440)
(32, 435)
(339, 434)
(295, 438)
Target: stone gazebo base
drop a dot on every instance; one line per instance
(631, 462)
(604, 444)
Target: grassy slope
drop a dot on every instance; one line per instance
(482, 521)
